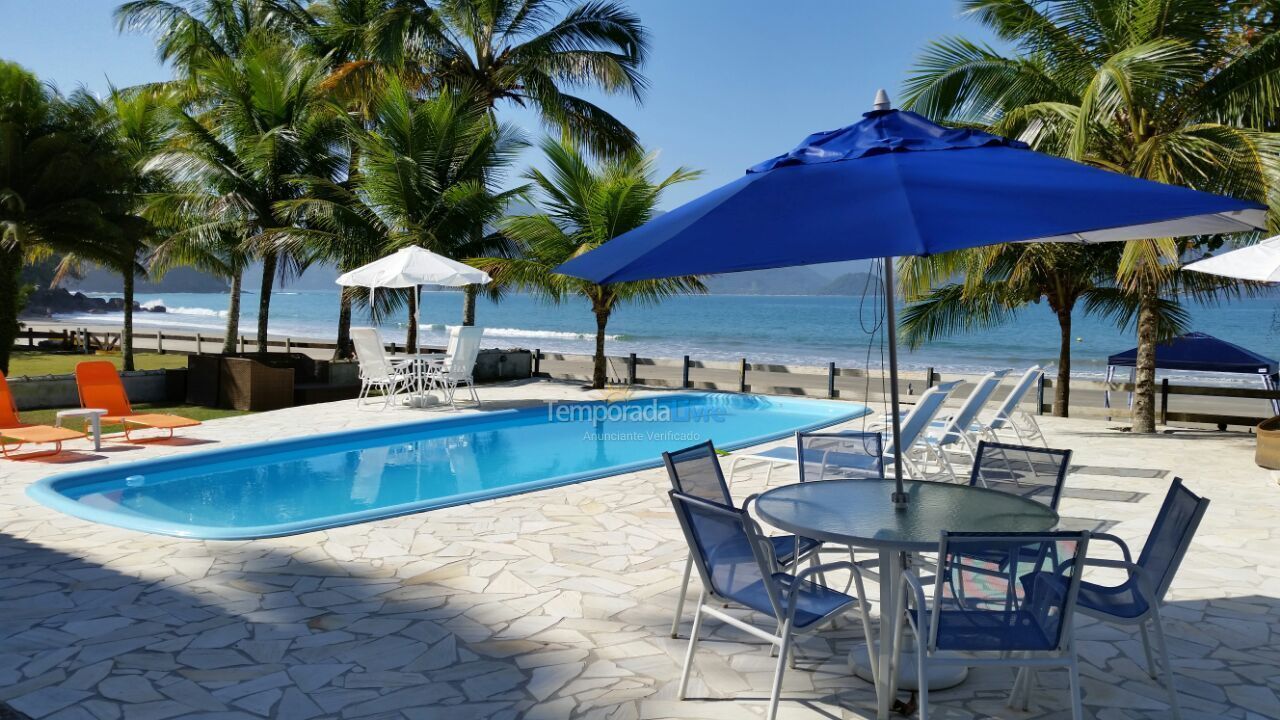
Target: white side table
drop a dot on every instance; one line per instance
(92, 417)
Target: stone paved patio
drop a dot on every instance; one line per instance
(556, 604)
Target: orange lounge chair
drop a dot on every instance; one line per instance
(100, 387)
(13, 429)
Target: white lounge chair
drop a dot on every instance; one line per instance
(914, 423)
(458, 364)
(1010, 417)
(957, 430)
(377, 370)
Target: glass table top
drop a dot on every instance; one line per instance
(859, 512)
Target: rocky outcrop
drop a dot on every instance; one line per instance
(58, 301)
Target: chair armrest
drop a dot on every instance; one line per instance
(921, 624)
(805, 574)
(1116, 564)
(1124, 548)
(916, 589)
(1138, 573)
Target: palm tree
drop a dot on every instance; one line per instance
(996, 282)
(584, 208)
(58, 188)
(135, 125)
(190, 33)
(267, 121)
(428, 175)
(364, 41)
(525, 52)
(529, 53)
(1148, 88)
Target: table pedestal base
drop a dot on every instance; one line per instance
(940, 678)
(424, 401)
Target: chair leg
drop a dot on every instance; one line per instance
(733, 467)
(922, 678)
(1073, 676)
(865, 612)
(1168, 666)
(693, 644)
(684, 590)
(783, 654)
(1146, 648)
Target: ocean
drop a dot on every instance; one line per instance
(800, 330)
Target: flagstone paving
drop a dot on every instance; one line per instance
(557, 603)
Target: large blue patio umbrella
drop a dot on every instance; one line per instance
(896, 184)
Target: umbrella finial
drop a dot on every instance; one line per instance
(882, 101)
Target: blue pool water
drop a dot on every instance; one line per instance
(322, 481)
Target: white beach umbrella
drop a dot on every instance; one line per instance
(1260, 262)
(412, 267)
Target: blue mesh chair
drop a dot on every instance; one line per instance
(1019, 618)
(839, 455)
(1137, 600)
(696, 471)
(1034, 473)
(734, 560)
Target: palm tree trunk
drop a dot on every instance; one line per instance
(269, 264)
(343, 349)
(10, 289)
(126, 332)
(411, 335)
(598, 376)
(1062, 387)
(1144, 393)
(469, 295)
(233, 315)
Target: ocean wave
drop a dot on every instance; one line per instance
(530, 334)
(202, 312)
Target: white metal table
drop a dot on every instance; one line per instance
(420, 366)
(860, 514)
(92, 419)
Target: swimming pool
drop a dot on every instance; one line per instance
(322, 481)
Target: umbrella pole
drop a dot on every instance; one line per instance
(891, 327)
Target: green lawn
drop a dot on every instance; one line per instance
(195, 412)
(45, 363)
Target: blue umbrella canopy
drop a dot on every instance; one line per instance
(897, 184)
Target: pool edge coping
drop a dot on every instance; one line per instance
(45, 491)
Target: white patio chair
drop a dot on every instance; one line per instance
(377, 370)
(458, 364)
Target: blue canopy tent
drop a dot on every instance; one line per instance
(897, 184)
(1202, 353)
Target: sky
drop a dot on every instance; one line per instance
(732, 82)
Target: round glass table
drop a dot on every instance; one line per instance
(859, 513)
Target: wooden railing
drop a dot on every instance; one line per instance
(855, 384)
(1251, 405)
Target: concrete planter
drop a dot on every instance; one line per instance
(59, 391)
(1268, 452)
(502, 365)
